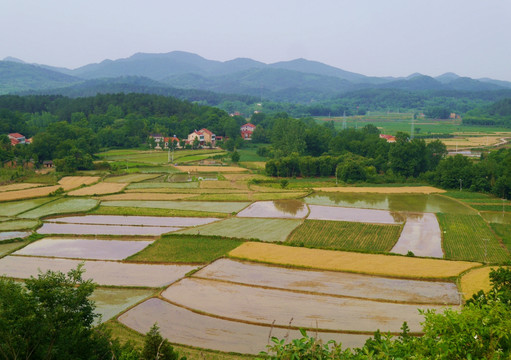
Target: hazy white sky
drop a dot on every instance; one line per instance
(372, 37)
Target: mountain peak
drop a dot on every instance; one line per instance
(13, 59)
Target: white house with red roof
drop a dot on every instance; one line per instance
(247, 130)
(204, 136)
(16, 138)
(389, 138)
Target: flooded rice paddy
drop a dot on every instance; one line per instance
(223, 207)
(417, 203)
(330, 282)
(7, 235)
(109, 273)
(19, 224)
(319, 212)
(421, 235)
(133, 220)
(189, 328)
(84, 229)
(17, 207)
(61, 206)
(290, 209)
(267, 306)
(84, 248)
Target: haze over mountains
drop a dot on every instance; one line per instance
(297, 80)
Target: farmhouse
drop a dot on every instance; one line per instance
(170, 140)
(203, 135)
(16, 138)
(389, 138)
(247, 130)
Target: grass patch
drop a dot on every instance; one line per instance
(130, 178)
(263, 229)
(250, 154)
(186, 248)
(504, 231)
(137, 211)
(342, 235)
(48, 179)
(464, 239)
(61, 206)
(507, 208)
(466, 195)
(9, 247)
(20, 224)
(17, 207)
(251, 196)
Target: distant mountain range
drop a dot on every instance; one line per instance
(180, 72)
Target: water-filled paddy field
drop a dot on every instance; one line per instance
(7, 235)
(61, 206)
(189, 328)
(264, 306)
(133, 220)
(421, 235)
(102, 272)
(17, 207)
(290, 209)
(417, 203)
(213, 206)
(332, 283)
(86, 229)
(19, 224)
(83, 248)
(112, 301)
(319, 212)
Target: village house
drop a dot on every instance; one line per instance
(247, 130)
(16, 139)
(389, 138)
(203, 135)
(170, 140)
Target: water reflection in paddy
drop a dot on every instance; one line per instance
(134, 220)
(394, 202)
(81, 229)
(334, 213)
(293, 209)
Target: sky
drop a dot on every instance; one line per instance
(371, 37)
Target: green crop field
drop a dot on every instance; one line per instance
(249, 196)
(8, 247)
(17, 207)
(19, 224)
(504, 231)
(269, 230)
(505, 208)
(342, 235)
(186, 248)
(250, 154)
(131, 178)
(223, 207)
(61, 206)
(153, 156)
(468, 237)
(164, 185)
(141, 211)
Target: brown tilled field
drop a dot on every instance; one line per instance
(28, 193)
(72, 182)
(99, 189)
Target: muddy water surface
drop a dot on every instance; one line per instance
(318, 212)
(392, 202)
(102, 272)
(7, 235)
(189, 328)
(334, 283)
(421, 235)
(264, 306)
(84, 248)
(291, 209)
(83, 229)
(134, 220)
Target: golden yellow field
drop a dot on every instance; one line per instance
(472, 141)
(28, 193)
(244, 177)
(99, 189)
(210, 169)
(19, 186)
(146, 196)
(72, 182)
(254, 165)
(383, 190)
(475, 280)
(373, 264)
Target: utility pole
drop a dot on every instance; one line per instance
(344, 120)
(412, 130)
(461, 182)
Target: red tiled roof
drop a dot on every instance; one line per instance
(206, 131)
(16, 135)
(249, 124)
(14, 141)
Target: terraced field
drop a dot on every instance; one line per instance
(61, 206)
(224, 207)
(343, 235)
